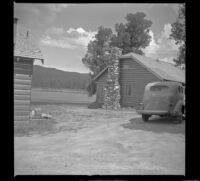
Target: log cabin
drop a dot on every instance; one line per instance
(135, 72)
(26, 52)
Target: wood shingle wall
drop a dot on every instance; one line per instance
(22, 88)
(132, 75)
(101, 82)
(137, 77)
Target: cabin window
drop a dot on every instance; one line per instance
(128, 90)
(159, 88)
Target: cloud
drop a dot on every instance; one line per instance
(60, 43)
(153, 46)
(168, 59)
(162, 48)
(69, 39)
(78, 30)
(167, 45)
(83, 37)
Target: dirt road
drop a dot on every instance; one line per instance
(89, 142)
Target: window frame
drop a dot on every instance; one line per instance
(128, 90)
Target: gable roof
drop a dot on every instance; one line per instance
(25, 44)
(163, 70)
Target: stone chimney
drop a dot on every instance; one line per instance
(112, 88)
(15, 29)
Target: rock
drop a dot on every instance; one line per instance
(32, 113)
(47, 116)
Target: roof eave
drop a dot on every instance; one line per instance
(132, 56)
(121, 57)
(41, 59)
(182, 82)
(157, 75)
(100, 73)
(150, 70)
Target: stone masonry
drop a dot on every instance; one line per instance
(112, 88)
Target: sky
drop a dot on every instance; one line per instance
(63, 31)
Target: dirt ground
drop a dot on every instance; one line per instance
(86, 141)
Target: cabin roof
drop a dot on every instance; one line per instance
(25, 44)
(163, 70)
(167, 83)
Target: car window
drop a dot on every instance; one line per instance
(159, 88)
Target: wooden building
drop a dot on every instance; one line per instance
(25, 52)
(135, 71)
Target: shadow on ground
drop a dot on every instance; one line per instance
(156, 124)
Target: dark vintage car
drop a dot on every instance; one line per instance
(163, 99)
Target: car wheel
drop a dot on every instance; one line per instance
(178, 119)
(145, 117)
(183, 112)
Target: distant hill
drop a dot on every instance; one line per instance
(53, 78)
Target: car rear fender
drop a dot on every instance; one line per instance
(178, 108)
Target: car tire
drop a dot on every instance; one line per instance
(145, 118)
(178, 119)
(183, 112)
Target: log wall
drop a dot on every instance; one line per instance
(23, 69)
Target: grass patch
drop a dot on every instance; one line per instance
(61, 97)
(42, 126)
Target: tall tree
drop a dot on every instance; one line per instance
(178, 34)
(134, 35)
(95, 58)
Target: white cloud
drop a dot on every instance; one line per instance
(78, 30)
(164, 48)
(70, 30)
(167, 46)
(153, 46)
(70, 39)
(61, 43)
(168, 59)
(165, 34)
(85, 37)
